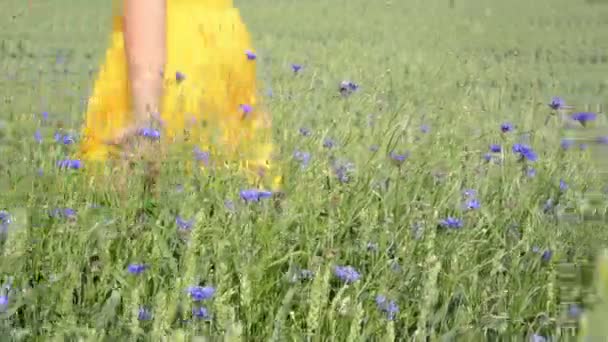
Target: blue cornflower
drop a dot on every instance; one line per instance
(495, 148)
(150, 133)
(296, 68)
(253, 195)
(342, 175)
(199, 293)
(547, 254)
(5, 217)
(506, 127)
(399, 159)
(5, 220)
(425, 128)
(68, 140)
(488, 157)
(525, 152)
(567, 143)
(348, 87)
(302, 157)
(469, 193)
(451, 222)
(250, 55)
(3, 303)
(557, 103)
(202, 156)
(602, 140)
(537, 338)
(562, 185)
(70, 164)
(184, 224)
(179, 76)
(531, 172)
(584, 117)
(45, 116)
(246, 109)
(389, 307)
(229, 205)
(343, 171)
(301, 275)
(306, 274)
(305, 131)
(200, 313)
(347, 274)
(38, 136)
(328, 143)
(69, 212)
(63, 213)
(137, 268)
(144, 314)
(574, 311)
(472, 204)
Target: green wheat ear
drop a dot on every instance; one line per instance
(593, 323)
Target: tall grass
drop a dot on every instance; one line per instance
(378, 236)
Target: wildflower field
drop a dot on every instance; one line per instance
(442, 163)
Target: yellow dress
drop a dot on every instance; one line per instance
(210, 97)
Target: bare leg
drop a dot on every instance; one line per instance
(145, 47)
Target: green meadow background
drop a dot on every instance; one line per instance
(437, 79)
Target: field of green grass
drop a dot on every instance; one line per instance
(400, 220)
